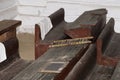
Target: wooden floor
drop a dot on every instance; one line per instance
(26, 44)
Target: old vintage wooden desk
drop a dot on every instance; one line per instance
(56, 63)
(90, 23)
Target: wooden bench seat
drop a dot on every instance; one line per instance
(113, 49)
(68, 55)
(94, 21)
(13, 64)
(13, 69)
(84, 66)
(116, 74)
(102, 67)
(48, 65)
(108, 52)
(88, 69)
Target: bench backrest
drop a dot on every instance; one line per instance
(57, 17)
(94, 18)
(106, 34)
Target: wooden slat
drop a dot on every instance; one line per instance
(84, 65)
(37, 76)
(63, 54)
(85, 19)
(116, 74)
(13, 69)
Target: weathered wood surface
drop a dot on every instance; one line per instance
(7, 25)
(116, 74)
(87, 18)
(13, 64)
(60, 54)
(90, 23)
(109, 48)
(12, 69)
(84, 66)
(97, 72)
(108, 52)
(101, 72)
(88, 69)
(8, 36)
(94, 18)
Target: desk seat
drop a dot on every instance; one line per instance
(13, 64)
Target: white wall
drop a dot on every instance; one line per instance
(31, 11)
(8, 9)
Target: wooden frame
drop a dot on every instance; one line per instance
(8, 37)
(106, 44)
(93, 26)
(42, 46)
(13, 64)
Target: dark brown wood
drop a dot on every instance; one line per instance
(116, 74)
(57, 17)
(78, 32)
(8, 33)
(62, 75)
(13, 64)
(91, 26)
(107, 45)
(68, 54)
(7, 25)
(95, 18)
(84, 66)
(80, 59)
(95, 26)
(42, 46)
(107, 57)
(87, 68)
